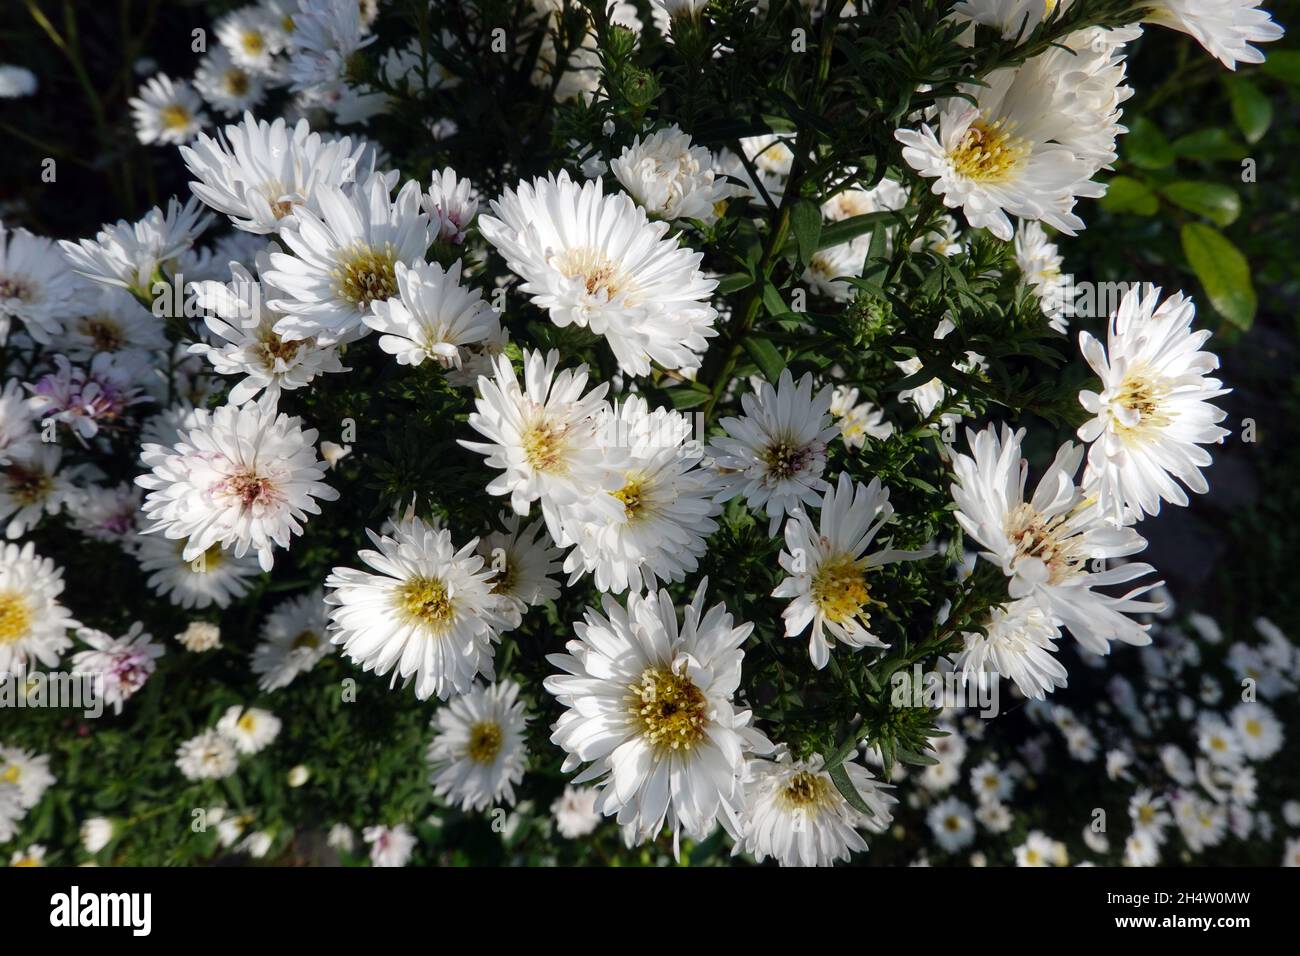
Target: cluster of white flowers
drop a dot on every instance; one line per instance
(326, 245)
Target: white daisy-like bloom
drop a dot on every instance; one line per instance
(1153, 411)
(829, 267)
(776, 453)
(11, 811)
(341, 838)
(252, 39)
(1202, 822)
(1041, 850)
(130, 255)
(244, 325)
(1004, 155)
(596, 261)
(16, 81)
(123, 664)
(1040, 265)
(770, 153)
(213, 577)
(994, 817)
(1141, 849)
(478, 754)
(199, 637)
(649, 706)
(207, 756)
(930, 395)
(1259, 731)
(1225, 28)
(112, 320)
(389, 846)
(523, 560)
(796, 815)
(33, 856)
(451, 204)
(427, 612)
(226, 85)
(990, 784)
(96, 833)
(951, 823)
(18, 435)
(665, 503)
(545, 438)
(244, 478)
(827, 565)
(1049, 545)
(260, 174)
(671, 178)
(575, 812)
(855, 201)
(326, 34)
(857, 420)
(167, 112)
(33, 487)
(1019, 643)
(432, 317)
(345, 258)
(1148, 814)
(295, 638)
(1218, 740)
(86, 399)
(28, 771)
(36, 287)
(250, 729)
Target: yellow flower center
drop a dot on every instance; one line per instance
(839, 589)
(425, 601)
(543, 445)
(29, 486)
(989, 152)
(247, 723)
(485, 739)
(306, 639)
(1046, 539)
(1145, 395)
(15, 617)
(1254, 728)
(174, 116)
(806, 790)
(236, 81)
(633, 496)
(275, 350)
(105, 334)
(671, 711)
(365, 274)
(12, 287)
(601, 275)
(11, 774)
(253, 42)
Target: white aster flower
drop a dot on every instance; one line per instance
(18, 435)
(665, 503)
(1258, 730)
(1226, 28)
(31, 488)
(207, 756)
(26, 770)
(243, 478)
(1148, 814)
(260, 174)
(1141, 849)
(545, 438)
(228, 86)
(994, 817)
(671, 178)
(857, 420)
(596, 261)
(432, 317)
(389, 846)
(167, 112)
(112, 320)
(213, 577)
(252, 39)
(1019, 643)
(649, 705)
(990, 784)
(123, 664)
(133, 255)
(96, 833)
(451, 205)
(1040, 265)
(200, 636)
(1049, 545)
(245, 326)
(1041, 850)
(250, 729)
(326, 34)
(776, 453)
(951, 823)
(345, 258)
(16, 81)
(575, 812)
(295, 638)
(795, 814)
(428, 614)
(523, 558)
(33, 856)
(478, 754)
(1153, 411)
(341, 838)
(36, 287)
(827, 565)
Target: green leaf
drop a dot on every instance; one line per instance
(1216, 143)
(1284, 65)
(734, 283)
(1127, 195)
(1219, 204)
(1250, 108)
(683, 398)
(772, 300)
(1146, 146)
(766, 356)
(849, 229)
(806, 221)
(1223, 271)
(844, 784)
